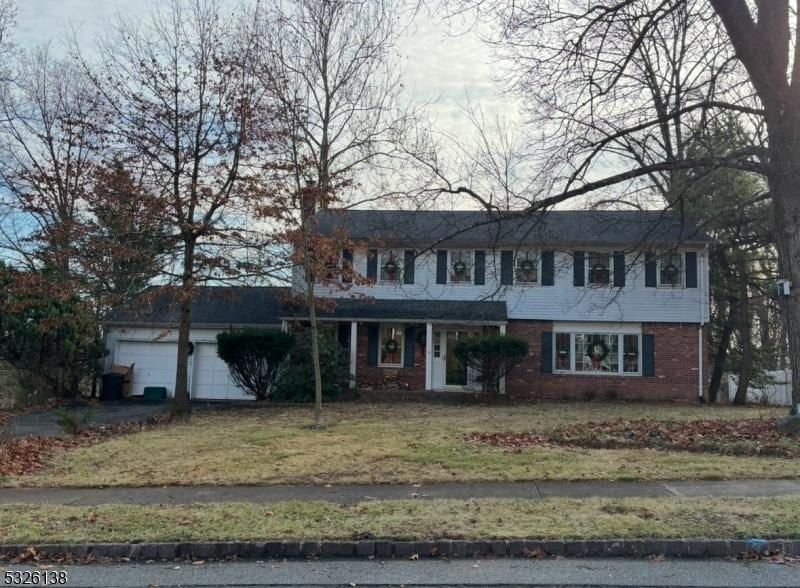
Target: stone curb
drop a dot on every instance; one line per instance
(690, 548)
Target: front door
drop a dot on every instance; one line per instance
(448, 372)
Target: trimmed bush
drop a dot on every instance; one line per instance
(296, 381)
(254, 357)
(492, 355)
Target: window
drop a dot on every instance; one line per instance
(598, 268)
(597, 353)
(670, 270)
(526, 267)
(391, 342)
(391, 265)
(461, 267)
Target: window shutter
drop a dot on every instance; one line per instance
(441, 266)
(480, 267)
(548, 268)
(619, 269)
(372, 264)
(648, 355)
(650, 270)
(578, 268)
(347, 257)
(691, 269)
(408, 266)
(372, 345)
(408, 347)
(343, 335)
(506, 268)
(547, 352)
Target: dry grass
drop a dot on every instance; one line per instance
(484, 519)
(390, 443)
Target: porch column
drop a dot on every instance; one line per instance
(429, 356)
(503, 379)
(353, 349)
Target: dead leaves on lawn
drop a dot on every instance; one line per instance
(743, 437)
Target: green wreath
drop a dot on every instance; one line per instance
(598, 344)
(390, 346)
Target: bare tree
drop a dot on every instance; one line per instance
(329, 63)
(579, 76)
(179, 84)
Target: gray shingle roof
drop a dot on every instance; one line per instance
(415, 310)
(471, 228)
(212, 306)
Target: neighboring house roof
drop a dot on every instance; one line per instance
(413, 310)
(472, 228)
(212, 306)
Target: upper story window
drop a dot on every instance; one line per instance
(390, 262)
(670, 270)
(599, 268)
(526, 267)
(461, 266)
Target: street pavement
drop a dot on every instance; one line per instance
(500, 572)
(349, 494)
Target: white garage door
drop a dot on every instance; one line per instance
(211, 379)
(155, 363)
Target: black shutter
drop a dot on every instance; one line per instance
(648, 355)
(548, 268)
(372, 345)
(506, 268)
(372, 264)
(691, 269)
(408, 266)
(347, 264)
(441, 266)
(408, 347)
(547, 352)
(480, 267)
(578, 268)
(619, 269)
(343, 335)
(650, 270)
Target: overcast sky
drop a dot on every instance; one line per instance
(437, 65)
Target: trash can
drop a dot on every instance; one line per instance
(112, 386)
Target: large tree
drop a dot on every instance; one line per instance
(329, 64)
(179, 85)
(584, 85)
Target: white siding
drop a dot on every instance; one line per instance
(563, 301)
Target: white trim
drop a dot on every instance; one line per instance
(620, 353)
(586, 267)
(537, 254)
(471, 253)
(400, 326)
(353, 356)
(682, 255)
(399, 259)
(429, 356)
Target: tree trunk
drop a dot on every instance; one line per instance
(745, 332)
(721, 354)
(180, 402)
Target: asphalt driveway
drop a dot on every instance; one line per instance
(45, 423)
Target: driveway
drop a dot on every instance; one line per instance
(45, 423)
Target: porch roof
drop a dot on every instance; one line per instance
(438, 311)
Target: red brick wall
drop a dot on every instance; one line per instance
(382, 377)
(676, 369)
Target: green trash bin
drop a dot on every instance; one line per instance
(154, 394)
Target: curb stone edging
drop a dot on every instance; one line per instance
(690, 548)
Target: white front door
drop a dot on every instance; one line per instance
(448, 372)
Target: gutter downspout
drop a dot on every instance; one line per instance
(703, 274)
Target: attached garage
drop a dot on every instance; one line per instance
(147, 338)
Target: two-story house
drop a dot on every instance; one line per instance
(613, 304)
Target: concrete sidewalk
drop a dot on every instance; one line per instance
(364, 493)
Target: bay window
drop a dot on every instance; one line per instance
(597, 352)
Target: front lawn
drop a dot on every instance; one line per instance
(393, 443)
(730, 518)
